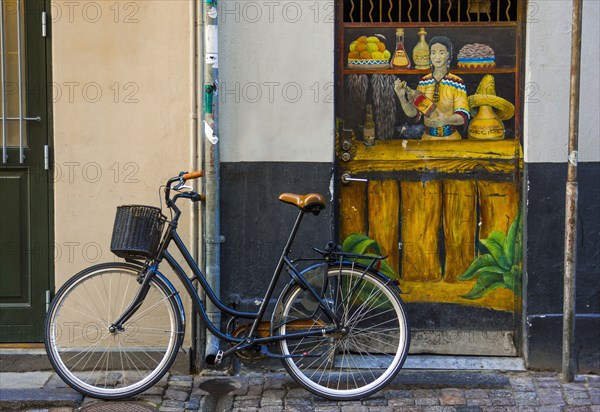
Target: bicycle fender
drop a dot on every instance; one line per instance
(175, 294)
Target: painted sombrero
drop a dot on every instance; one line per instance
(486, 95)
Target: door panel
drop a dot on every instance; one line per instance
(14, 288)
(445, 212)
(25, 261)
(430, 229)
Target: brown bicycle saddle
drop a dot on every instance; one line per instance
(312, 202)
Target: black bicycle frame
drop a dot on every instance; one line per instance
(172, 236)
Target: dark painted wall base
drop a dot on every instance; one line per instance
(255, 225)
(544, 265)
(545, 343)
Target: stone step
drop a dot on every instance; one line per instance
(19, 399)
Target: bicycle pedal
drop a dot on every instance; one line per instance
(219, 357)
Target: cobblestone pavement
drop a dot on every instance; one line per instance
(445, 391)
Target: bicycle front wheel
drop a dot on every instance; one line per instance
(112, 364)
(368, 350)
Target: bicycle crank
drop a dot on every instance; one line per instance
(251, 354)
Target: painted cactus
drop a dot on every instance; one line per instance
(501, 267)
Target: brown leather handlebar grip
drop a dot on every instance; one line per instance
(193, 175)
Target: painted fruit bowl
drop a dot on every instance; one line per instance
(368, 64)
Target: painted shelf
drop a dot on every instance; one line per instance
(460, 156)
(496, 70)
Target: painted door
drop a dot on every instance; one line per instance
(445, 210)
(26, 253)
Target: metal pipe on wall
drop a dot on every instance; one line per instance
(20, 74)
(212, 228)
(3, 79)
(194, 160)
(569, 309)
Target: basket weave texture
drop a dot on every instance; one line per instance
(137, 231)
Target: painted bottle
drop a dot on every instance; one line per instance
(421, 52)
(400, 59)
(421, 102)
(369, 127)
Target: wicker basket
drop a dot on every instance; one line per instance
(137, 231)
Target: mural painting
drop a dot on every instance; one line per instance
(430, 148)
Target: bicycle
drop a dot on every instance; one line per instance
(113, 330)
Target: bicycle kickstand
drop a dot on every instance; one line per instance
(265, 352)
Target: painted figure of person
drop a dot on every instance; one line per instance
(426, 204)
(446, 90)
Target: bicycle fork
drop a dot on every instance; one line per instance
(146, 276)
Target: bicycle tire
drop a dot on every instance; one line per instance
(359, 362)
(105, 365)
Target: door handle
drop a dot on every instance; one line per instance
(347, 178)
(26, 119)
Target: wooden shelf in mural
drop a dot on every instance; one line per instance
(426, 24)
(461, 156)
(497, 70)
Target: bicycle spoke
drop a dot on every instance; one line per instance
(359, 359)
(145, 312)
(91, 316)
(88, 356)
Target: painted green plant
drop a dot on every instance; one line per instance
(500, 267)
(361, 244)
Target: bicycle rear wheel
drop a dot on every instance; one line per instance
(358, 360)
(104, 364)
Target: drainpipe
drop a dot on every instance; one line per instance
(212, 230)
(194, 156)
(568, 358)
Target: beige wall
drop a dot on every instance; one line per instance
(121, 116)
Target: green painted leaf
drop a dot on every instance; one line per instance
(512, 239)
(388, 271)
(483, 261)
(514, 280)
(518, 248)
(472, 295)
(484, 282)
(366, 245)
(518, 254)
(363, 245)
(518, 276)
(487, 278)
(498, 236)
(352, 240)
(496, 250)
(509, 280)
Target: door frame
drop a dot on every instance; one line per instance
(39, 82)
(341, 134)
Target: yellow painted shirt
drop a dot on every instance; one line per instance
(451, 98)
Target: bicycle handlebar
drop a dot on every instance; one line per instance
(181, 179)
(192, 175)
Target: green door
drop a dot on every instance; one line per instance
(26, 252)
